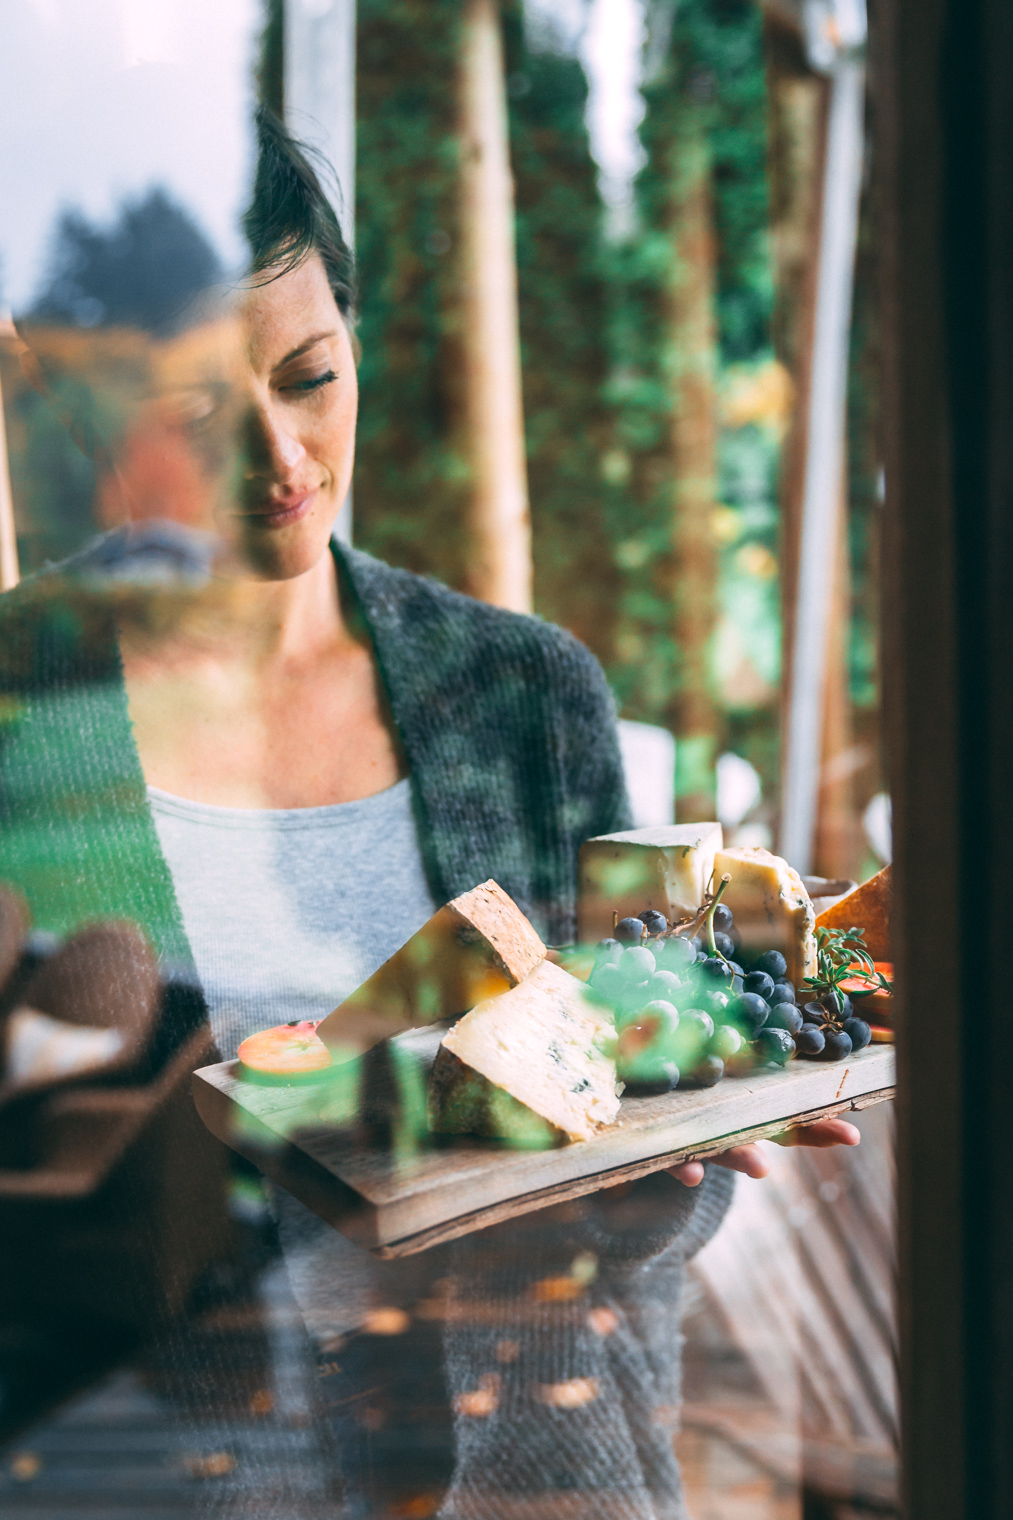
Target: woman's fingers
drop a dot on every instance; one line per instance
(823, 1133)
(690, 1172)
(748, 1159)
(751, 1161)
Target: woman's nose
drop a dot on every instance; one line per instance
(272, 451)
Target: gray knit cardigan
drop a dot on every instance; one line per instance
(508, 728)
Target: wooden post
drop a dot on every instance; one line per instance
(945, 117)
(689, 361)
(499, 527)
(318, 73)
(10, 572)
(825, 426)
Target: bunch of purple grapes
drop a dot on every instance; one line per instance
(687, 1008)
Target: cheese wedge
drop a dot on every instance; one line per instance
(770, 905)
(476, 946)
(665, 868)
(530, 1066)
(866, 908)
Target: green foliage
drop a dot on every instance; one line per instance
(563, 295)
(411, 477)
(596, 372)
(706, 115)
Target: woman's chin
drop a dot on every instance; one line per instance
(282, 552)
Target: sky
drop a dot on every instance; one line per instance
(103, 98)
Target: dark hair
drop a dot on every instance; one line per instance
(290, 217)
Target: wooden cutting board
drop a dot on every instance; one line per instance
(395, 1205)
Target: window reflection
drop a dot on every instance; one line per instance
(243, 764)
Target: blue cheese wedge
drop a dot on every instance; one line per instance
(476, 946)
(531, 1066)
(771, 907)
(665, 868)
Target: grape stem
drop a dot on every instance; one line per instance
(708, 923)
(693, 923)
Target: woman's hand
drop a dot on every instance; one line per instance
(750, 1160)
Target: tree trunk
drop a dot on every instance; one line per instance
(690, 361)
(498, 524)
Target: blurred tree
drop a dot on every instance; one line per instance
(140, 272)
(696, 293)
(564, 274)
(597, 355)
(411, 474)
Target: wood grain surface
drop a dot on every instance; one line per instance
(396, 1204)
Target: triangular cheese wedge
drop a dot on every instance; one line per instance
(476, 946)
(866, 908)
(530, 1066)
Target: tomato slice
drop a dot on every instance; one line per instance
(287, 1052)
(876, 1006)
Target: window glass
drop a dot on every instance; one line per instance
(436, 437)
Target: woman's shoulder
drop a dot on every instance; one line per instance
(430, 616)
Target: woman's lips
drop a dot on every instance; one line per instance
(279, 514)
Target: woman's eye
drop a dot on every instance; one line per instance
(300, 387)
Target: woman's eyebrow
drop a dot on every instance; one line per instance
(302, 347)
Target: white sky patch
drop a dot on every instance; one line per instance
(100, 99)
(608, 36)
(612, 51)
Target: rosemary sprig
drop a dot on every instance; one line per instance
(842, 954)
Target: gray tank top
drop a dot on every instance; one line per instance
(287, 910)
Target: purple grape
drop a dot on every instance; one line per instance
(663, 984)
(722, 918)
(784, 1016)
(714, 1002)
(783, 992)
(748, 1011)
(837, 1046)
(607, 952)
(726, 1042)
(809, 1040)
(707, 1073)
(637, 963)
(676, 953)
(858, 1032)
(724, 946)
(775, 1045)
(760, 983)
(773, 963)
(630, 931)
(653, 921)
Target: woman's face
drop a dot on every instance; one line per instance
(296, 424)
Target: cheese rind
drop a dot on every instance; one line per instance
(530, 1066)
(668, 869)
(478, 945)
(771, 907)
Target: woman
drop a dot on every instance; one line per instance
(281, 780)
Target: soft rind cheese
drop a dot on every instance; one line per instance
(530, 1066)
(476, 946)
(771, 907)
(667, 868)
